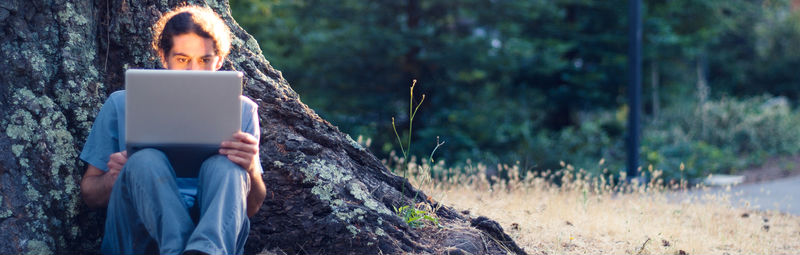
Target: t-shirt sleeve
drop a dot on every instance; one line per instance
(103, 139)
(252, 126)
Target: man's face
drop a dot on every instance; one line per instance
(192, 52)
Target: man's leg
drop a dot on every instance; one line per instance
(145, 206)
(222, 193)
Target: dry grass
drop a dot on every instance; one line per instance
(587, 215)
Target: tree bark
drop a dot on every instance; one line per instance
(325, 193)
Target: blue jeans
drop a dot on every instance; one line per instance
(147, 215)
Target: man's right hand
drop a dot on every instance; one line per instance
(96, 184)
(115, 163)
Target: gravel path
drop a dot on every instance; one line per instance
(781, 195)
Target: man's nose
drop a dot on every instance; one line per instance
(192, 66)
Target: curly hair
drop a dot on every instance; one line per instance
(191, 19)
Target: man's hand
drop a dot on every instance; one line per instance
(242, 149)
(115, 163)
(96, 184)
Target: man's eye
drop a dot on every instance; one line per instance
(181, 60)
(204, 60)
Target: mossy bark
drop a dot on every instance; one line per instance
(325, 193)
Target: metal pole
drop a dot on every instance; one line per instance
(634, 85)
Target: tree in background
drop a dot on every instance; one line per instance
(481, 63)
(519, 80)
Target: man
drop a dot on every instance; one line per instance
(149, 209)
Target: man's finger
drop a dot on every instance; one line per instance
(250, 148)
(117, 156)
(238, 153)
(118, 160)
(239, 160)
(113, 166)
(245, 137)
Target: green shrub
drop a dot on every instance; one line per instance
(721, 136)
(687, 142)
(751, 125)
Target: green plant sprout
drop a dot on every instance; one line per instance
(411, 113)
(413, 216)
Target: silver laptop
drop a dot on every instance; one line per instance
(185, 114)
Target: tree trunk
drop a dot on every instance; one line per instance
(325, 193)
(703, 92)
(654, 79)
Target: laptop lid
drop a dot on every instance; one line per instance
(186, 114)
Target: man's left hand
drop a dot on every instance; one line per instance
(242, 149)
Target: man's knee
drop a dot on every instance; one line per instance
(147, 163)
(220, 165)
(147, 154)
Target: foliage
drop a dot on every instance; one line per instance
(543, 81)
(413, 216)
(723, 135)
(416, 217)
(689, 141)
(483, 61)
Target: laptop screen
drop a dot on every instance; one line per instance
(190, 112)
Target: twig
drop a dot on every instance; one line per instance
(643, 245)
(435, 148)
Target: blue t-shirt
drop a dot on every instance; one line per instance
(108, 137)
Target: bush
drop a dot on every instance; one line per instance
(688, 141)
(721, 136)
